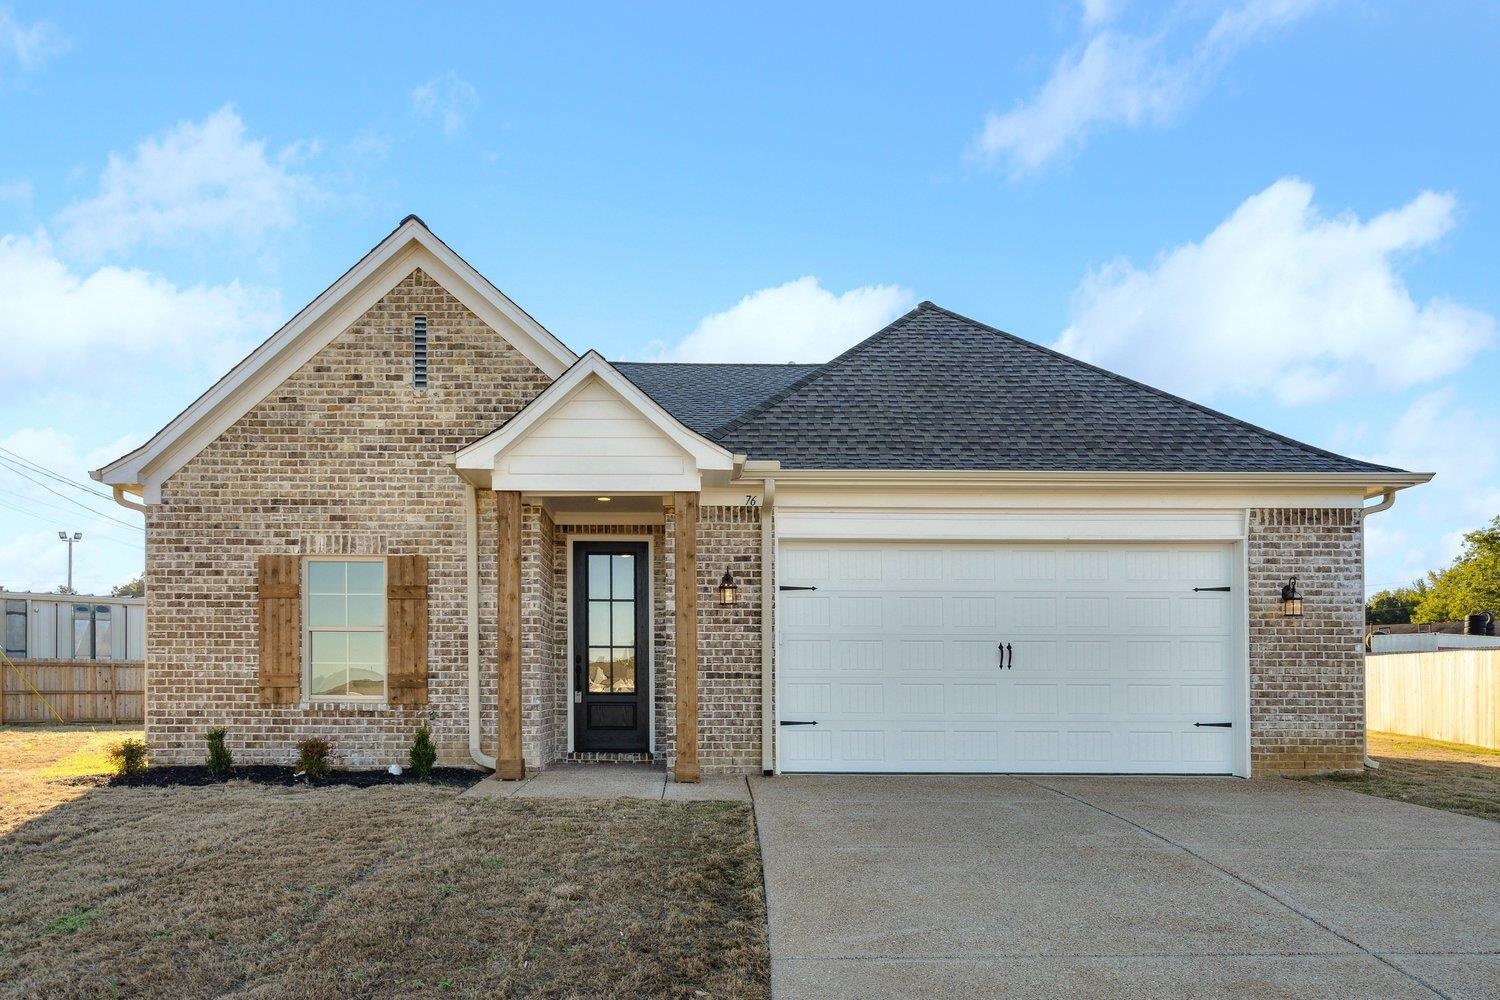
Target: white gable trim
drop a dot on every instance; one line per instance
(593, 467)
(410, 247)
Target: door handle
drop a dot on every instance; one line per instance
(578, 673)
(1012, 651)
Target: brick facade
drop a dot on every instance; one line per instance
(1307, 675)
(343, 457)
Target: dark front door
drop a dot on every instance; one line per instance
(610, 649)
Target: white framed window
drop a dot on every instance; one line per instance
(343, 615)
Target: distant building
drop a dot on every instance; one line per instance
(74, 627)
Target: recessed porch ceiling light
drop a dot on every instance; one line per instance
(602, 499)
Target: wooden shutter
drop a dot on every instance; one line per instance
(279, 593)
(406, 630)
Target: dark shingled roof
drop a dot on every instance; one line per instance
(935, 390)
(705, 397)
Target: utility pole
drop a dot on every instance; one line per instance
(77, 537)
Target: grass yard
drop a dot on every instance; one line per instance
(1452, 776)
(257, 890)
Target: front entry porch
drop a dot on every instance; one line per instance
(597, 607)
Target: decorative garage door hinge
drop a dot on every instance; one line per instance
(1222, 590)
(1213, 725)
(789, 722)
(787, 586)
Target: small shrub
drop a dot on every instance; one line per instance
(220, 760)
(423, 754)
(312, 757)
(128, 757)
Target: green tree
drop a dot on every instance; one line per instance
(132, 588)
(1470, 585)
(1395, 606)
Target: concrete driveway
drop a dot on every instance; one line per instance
(903, 886)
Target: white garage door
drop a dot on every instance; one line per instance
(1113, 662)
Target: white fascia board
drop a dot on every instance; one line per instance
(1369, 483)
(411, 246)
(484, 454)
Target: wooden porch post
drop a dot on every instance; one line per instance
(686, 593)
(509, 764)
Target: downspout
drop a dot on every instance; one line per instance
(768, 628)
(1387, 500)
(471, 526)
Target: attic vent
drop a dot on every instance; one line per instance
(419, 352)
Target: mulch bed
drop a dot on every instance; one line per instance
(270, 774)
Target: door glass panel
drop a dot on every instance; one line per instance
(598, 574)
(598, 623)
(599, 682)
(624, 573)
(624, 671)
(624, 624)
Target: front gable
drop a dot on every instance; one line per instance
(410, 249)
(593, 431)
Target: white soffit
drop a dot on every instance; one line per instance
(411, 246)
(592, 430)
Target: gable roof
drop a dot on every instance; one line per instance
(707, 396)
(938, 391)
(599, 458)
(410, 246)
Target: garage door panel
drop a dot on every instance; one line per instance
(1114, 657)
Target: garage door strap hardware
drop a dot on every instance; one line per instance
(1222, 590)
(789, 722)
(787, 586)
(1214, 725)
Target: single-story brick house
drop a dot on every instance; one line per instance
(947, 549)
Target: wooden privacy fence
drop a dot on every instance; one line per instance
(1451, 695)
(80, 690)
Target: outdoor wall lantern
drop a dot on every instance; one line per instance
(729, 591)
(1291, 600)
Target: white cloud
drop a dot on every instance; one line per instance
(197, 180)
(30, 45)
(446, 99)
(798, 321)
(60, 325)
(1279, 298)
(1117, 78)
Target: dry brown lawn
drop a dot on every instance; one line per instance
(1453, 776)
(261, 891)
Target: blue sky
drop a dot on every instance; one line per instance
(1286, 209)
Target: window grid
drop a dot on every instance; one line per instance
(612, 608)
(358, 634)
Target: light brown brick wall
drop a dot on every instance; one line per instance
(1307, 675)
(344, 457)
(729, 667)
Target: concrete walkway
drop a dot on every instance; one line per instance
(611, 781)
(908, 886)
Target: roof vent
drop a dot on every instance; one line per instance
(419, 352)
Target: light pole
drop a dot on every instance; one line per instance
(77, 537)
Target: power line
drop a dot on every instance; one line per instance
(65, 480)
(77, 503)
(58, 524)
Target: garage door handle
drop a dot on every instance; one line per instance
(789, 722)
(1213, 725)
(1005, 648)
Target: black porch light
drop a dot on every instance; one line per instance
(729, 591)
(1291, 600)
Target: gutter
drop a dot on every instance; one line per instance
(471, 531)
(1387, 501)
(768, 629)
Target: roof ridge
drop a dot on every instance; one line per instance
(1314, 449)
(820, 371)
(726, 364)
